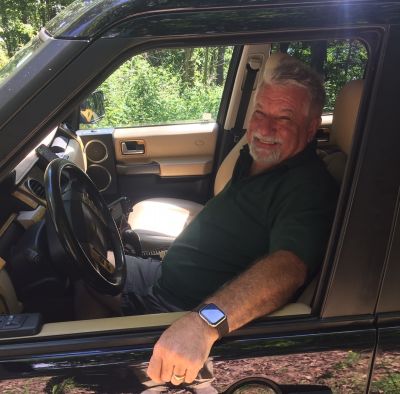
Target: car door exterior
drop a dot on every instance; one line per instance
(386, 373)
(355, 319)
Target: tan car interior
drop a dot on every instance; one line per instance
(144, 149)
(182, 211)
(151, 219)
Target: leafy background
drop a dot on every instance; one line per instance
(175, 85)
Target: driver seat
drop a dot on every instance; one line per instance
(158, 221)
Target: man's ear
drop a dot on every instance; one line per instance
(313, 127)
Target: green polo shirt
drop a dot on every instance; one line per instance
(289, 207)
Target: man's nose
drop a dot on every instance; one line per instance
(268, 126)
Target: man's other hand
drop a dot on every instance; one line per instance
(182, 350)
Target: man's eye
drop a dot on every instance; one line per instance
(285, 118)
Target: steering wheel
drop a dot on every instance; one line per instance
(85, 228)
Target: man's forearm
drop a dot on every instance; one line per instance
(185, 345)
(263, 288)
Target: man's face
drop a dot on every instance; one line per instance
(281, 124)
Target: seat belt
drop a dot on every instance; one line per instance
(253, 66)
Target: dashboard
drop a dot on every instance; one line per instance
(28, 187)
(24, 249)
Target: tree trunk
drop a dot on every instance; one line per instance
(205, 65)
(220, 66)
(188, 70)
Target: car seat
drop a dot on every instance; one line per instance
(158, 221)
(343, 126)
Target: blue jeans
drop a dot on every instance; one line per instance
(138, 297)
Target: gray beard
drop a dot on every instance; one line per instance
(272, 158)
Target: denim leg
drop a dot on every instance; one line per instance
(138, 297)
(141, 274)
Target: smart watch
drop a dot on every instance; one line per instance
(214, 317)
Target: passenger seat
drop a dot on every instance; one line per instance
(343, 126)
(335, 154)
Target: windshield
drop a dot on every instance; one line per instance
(76, 10)
(20, 58)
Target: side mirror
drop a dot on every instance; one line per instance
(92, 108)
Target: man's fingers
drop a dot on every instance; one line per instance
(191, 375)
(154, 369)
(178, 376)
(166, 371)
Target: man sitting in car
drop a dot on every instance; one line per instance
(255, 244)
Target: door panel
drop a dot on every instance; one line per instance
(337, 359)
(178, 150)
(166, 161)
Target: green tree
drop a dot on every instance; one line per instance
(20, 20)
(338, 61)
(154, 88)
(3, 55)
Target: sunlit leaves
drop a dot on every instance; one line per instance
(166, 86)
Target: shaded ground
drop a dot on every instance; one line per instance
(343, 372)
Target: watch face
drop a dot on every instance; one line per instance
(212, 314)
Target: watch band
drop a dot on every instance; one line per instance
(222, 327)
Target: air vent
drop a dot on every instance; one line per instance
(36, 188)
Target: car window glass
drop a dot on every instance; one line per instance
(164, 86)
(339, 61)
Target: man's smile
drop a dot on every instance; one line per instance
(265, 141)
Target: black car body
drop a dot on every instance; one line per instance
(350, 342)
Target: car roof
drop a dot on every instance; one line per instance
(85, 19)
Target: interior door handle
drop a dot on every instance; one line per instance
(134, 147)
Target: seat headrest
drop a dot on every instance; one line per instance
(345, 114)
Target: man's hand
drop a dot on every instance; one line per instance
(182, 350)
(267, 285)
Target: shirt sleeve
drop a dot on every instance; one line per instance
(302, 222)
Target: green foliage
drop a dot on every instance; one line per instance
(349, 361)
(344, 61)
(165, 86)
(175, 85)
(20, 20)
(63, 387)
(390, 384)
(3, 56)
